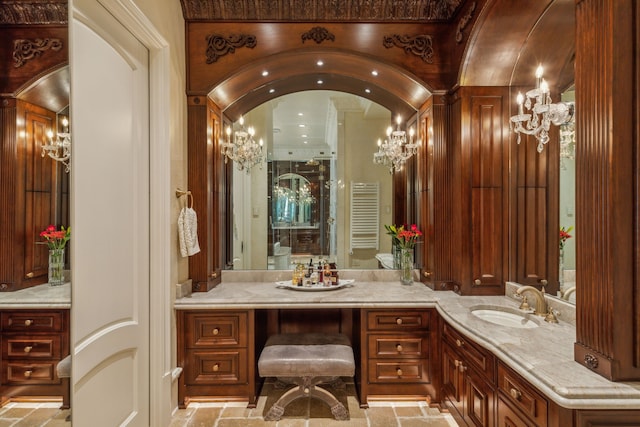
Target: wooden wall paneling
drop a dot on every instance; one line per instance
(424, 172)
(40, 176)
(482, 193)
(8, 191)
(200, 183)
(451, 185)
(607, 172)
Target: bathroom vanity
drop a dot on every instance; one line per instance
(34, 333)
(410, 343)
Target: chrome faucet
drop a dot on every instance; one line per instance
(541, 303)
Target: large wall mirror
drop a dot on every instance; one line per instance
(297, 204)
(567, 175)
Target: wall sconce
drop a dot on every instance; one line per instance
(59, 148)
(396, 149)
(243, 149)
(543, 112)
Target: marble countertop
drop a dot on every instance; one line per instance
(543, 355)
(41, 296)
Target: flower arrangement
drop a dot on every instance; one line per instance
(404, 237)
(56, 239)
(564, 235)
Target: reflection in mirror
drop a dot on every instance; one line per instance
(297, 205)
(567, 262)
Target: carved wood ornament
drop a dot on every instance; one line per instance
(24, 49)
(464, 22)
(34, 12)
(318, 35)
(218, 45)
(421, 45)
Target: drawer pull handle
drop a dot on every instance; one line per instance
(515, 393)
(477, 282)
(28, 322)
(216, 331)
(462, 368)
(214, 275)
(399, 321)
(30, 275)
(399, 372)
(216, 367)
(28, 349)
(457, 363)
(399, 348)
(459, 343)
(27, 374)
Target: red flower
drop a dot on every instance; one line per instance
(56, 239)
(404, 236)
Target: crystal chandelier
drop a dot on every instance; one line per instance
(59, 148)
(243, 149)
(543, 112)
(396, 149)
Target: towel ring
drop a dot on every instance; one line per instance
(180, 193)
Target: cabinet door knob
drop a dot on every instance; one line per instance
(28, 322)
(216, 367)
(544, 282)
(216, 331)
(214, 275)
(462, 368)
(399, 372)
(427, 274)
(515, 393)
(457, 363)
(478, 282)
(27, 374)
(30, 275)
(399, 347)
(459, 343)
(399, 321)
(28, 349)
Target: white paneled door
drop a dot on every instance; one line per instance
(110, 220)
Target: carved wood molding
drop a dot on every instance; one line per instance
(25, 49)
(218, 45)
(320, 10)
(421, 45)
(34, 12)
(318, 35)
(464, 22)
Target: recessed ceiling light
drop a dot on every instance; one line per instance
(301, 125)
(305, 142)
(374, 73)
(303, 136)
(301, 114)
(320, 82)
(320, 63)
(271, 90)
(367, 90)
(265, 73)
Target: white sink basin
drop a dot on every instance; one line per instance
(505, 318)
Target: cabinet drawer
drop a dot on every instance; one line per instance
(25, 372)
(398, 346)
(32, 321)
(522, 396)
(397, 320)
(398, 371)
(220, 330)
(29, 347)
(220, 367)
(471, 352)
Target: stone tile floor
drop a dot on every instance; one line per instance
(300, 413)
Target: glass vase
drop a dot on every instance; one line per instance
(561, 270)
(406, 266)
(395, 250)
(56, 267)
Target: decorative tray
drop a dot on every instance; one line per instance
(287, 284)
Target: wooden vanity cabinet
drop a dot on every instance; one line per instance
(468, 378)
(33, 342)
(397, 349)
(217, 351)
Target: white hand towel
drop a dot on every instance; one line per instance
(188, 232)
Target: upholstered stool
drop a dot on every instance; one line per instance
(63, 369)
(307, 360)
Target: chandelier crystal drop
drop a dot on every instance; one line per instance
(59, 147)
(396, 148)
(243, 149)
(543, 112)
